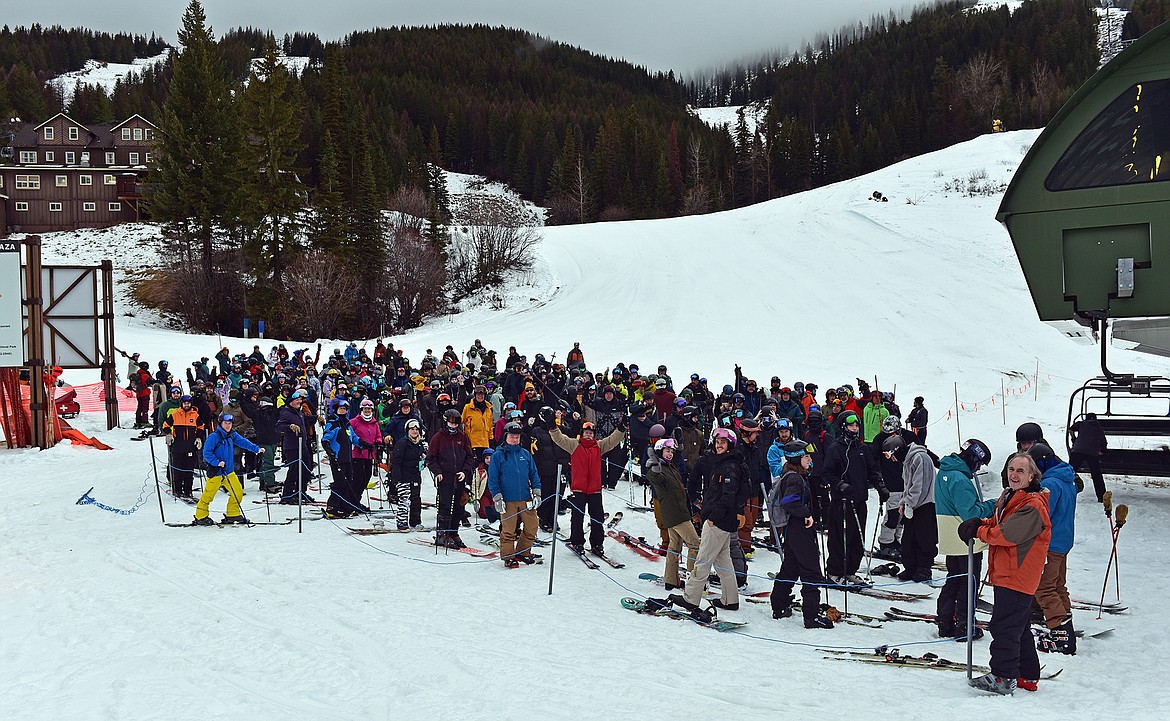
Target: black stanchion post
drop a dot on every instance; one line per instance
(157, 487)
(970, 605)
(552, 559)
(300, 493)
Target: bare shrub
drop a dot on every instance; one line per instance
(315, 307)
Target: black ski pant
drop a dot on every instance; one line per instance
(587, 503)
(298, 476)
(1080, 460)
(613, 465)
(820, 499)
(182, 466)
(450, 494)
(846, 544)
(952, 599)
(548, 502)
(1013, 649)
(801, 562)
(363, 471)
(920, 541)
(339, 495)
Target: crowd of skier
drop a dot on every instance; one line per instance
(504, 444)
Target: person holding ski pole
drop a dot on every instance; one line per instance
(219, 452)
(1018, 533)
(790, 511)
(849, 470)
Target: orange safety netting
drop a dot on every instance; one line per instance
(16, 417)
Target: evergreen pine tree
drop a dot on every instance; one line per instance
(196, 190)
(271, 117)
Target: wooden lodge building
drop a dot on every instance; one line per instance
(62, 175)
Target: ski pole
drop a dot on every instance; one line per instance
(970, 605)
(300, 493)
(157, 488)
(873, 544)
(1107, 506)
(552, 560)
(1122, 515)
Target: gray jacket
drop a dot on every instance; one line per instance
(918, 473)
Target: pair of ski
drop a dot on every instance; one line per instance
(901, 614)
(892, 657)
(580, 552)
(469, 550)
(652, 608)
(1114, 608)
(882, 593)
(249, 524)
(638, 545)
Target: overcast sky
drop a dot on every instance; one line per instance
(683, 35)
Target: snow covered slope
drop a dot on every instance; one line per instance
(102, 74)
(117, 616)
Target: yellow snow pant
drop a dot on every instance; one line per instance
(235, 495)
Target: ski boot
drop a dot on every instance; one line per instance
(691, 609)
(529, 558)
(1027, 684)
(889, 552)
(205, 521)
(719, 604)
(817, 622)
(511, 563)
(993, 684)
(230, 520)
(1062, 639)
(961, 634)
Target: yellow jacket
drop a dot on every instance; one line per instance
(478, 424)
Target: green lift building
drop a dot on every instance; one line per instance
(1089, 215)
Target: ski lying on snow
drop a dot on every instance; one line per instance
(882, 593)
(229, 525)
(639, 606)
(376, 531)
(640, 547)
(469, 550)
(486, 530)
(985, 606)
(853, 619)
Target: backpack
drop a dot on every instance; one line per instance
(136, 382)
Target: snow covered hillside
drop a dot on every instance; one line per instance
(118, 616)
(102, 74)
(728, 115)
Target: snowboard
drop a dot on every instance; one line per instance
(639, 606)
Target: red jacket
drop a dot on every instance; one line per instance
(585, 457)
(663, 403)
(144, 382)
(1018, 534)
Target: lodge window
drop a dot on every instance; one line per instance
(62, 181)
(134, 158)
(28, 157)
(28, 182)
(115, 207)
(110, 158)
(1126, 144)
(138, 133)
(85, 180)
(149, 158)
(89, 207)
(54, 207)
(149, 134)
(49, 133)
(22, 206)
(73, 133)
(125, 133)
(109, 180)
(70, 157)
(50, 156)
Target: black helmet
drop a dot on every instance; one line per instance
(689, 413)
(1029, 433)
(546, 414)
(513, 427)
(1043, 455)
(452, 416)
(739, 398)
(975, 453)
(144, 365)
(894, 447)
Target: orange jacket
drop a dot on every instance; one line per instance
(1018, 534)
(184, 425)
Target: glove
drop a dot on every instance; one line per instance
(498, 499)
(843, 487)
(535, 498)
(883, 493)
(295, 429)
(969, 528)
(908, 511)
(199, 444)
(741, 518)
(169, 439)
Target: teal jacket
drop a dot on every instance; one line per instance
(956, 499)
